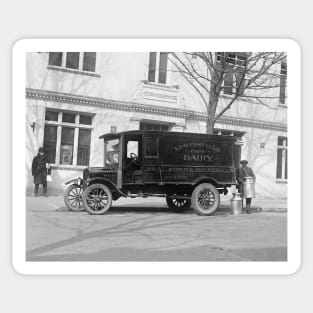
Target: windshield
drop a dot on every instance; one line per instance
(111, 152)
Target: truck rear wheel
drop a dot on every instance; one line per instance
(205, 199)
(97, 199)
(178, 205)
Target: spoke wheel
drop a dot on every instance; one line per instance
(97, 199)
(205, 199)
(73, 198)
(179, 205)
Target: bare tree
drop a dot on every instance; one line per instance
(254, 77)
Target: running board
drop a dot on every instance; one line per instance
(145, 195)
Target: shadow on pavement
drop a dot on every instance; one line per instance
(144, 210)
(190, 254)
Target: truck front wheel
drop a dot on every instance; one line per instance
(97, 199)
(205, 199)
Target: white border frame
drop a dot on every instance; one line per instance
(147, 45)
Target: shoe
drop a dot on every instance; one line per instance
(248, 212)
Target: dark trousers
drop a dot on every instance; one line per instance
(44, 186)
(248, 204)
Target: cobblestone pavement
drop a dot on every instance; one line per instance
(146, 230)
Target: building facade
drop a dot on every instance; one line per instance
(73, 98)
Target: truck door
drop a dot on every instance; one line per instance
(132, 160)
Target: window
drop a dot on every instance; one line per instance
(111, 152)
(50, 142)
(85, 119)
(84, 61)
(282, 158)
(72, 60)
(67, 137)
(283, 83)
(67, 145)
(158, 74)
(55, 58)
(51, 116)
(234, 76)
(89, 62)
(240, 73)
(152, 67)
(83, 151)
(163, 67)
(228, 81)
(132, 148)
(68, 118)
(231, 58)
(152, 126)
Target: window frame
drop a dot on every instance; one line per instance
(283, 83)
(60, 124)
(51, 58)
(51, 143)
(70, 59)
(281, 148)
(66, 144)
(79, 70)
(234, 62)
(160, 72)
(85, 61)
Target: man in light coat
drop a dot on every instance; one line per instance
(241, 173)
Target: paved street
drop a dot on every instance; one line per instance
(146, 230)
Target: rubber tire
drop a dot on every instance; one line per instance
(67, 201)
(106, 190)
(170, 203)
(194, 199)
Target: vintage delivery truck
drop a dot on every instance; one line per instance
(189, 170)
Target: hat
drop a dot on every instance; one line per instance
(41, 149)
(244, 162)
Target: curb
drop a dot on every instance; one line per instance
(279, 210)
(226, 209)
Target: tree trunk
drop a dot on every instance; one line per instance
(215, 88)
(209, 126)
(211, 111)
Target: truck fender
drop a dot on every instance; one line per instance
(77, 181)
(106, 182)
(204, 179)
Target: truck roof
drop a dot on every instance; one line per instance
(111, 136)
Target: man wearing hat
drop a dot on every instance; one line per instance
(39, 170)
(241, 173)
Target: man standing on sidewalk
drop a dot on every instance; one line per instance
(241, 173)
(39, 170)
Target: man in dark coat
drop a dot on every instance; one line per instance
(39, 170)
(241, 173)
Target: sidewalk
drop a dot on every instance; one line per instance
(55, 202)
(258, 204)
(275, 205)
